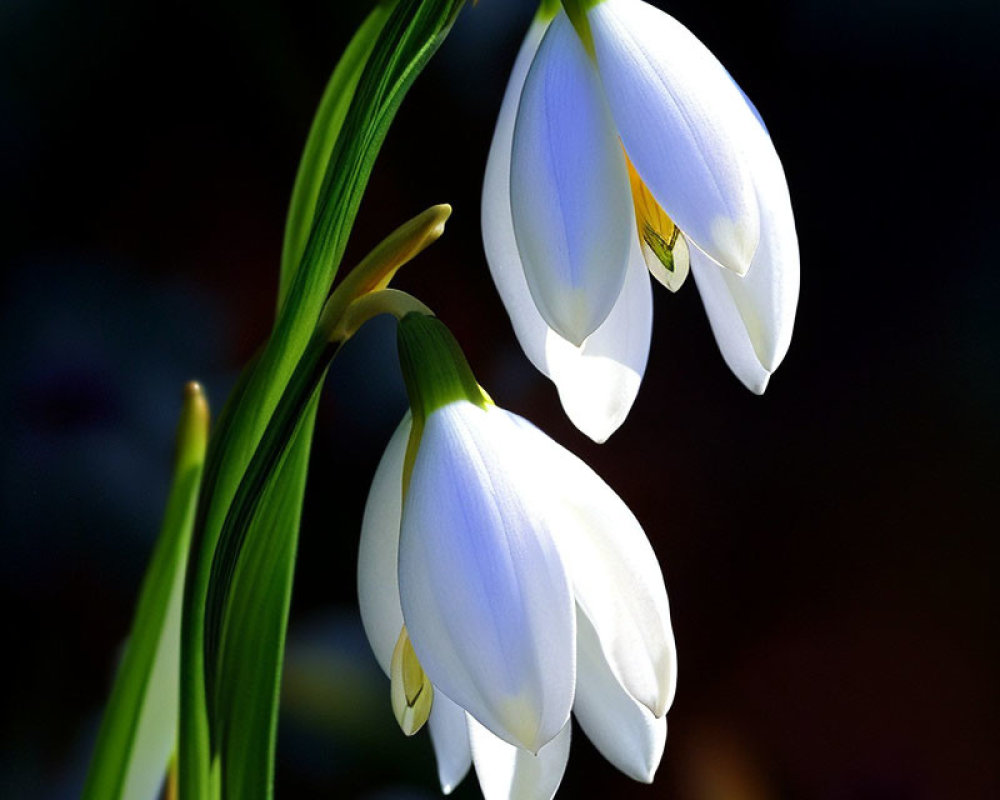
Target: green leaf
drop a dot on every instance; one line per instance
(139, 728)
(407, 40)
(251, 584)
(322, 136)
(224, 661)
(256, 619)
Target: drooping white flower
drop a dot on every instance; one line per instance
(624, 146)
(527, 589)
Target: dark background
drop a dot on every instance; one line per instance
(829, 548)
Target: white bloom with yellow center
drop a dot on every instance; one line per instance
(526, 589)
(624, 146)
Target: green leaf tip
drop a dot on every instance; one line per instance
(192, 430)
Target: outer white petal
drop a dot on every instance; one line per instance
(615, 574)
(484, 593)
(597, 383)
(771, 287)
(378, 590)
(752, 317)
(717, 293)
(450, 736)
(625, 732)
(570, 196)
(378, 593)
(497, 223)
(506, 772)
(680, 118)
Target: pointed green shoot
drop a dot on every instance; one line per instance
(139, 729)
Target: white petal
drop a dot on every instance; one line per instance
(719, 294)
(484, 594)
(624, 732)
(616, 578)
(598, 383)
(680, 118)
(769, 293)
(506, 772)
(497, 223)
(752, 317)
(450, 736)
(378, 592)
(569, 189)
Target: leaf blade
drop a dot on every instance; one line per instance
(257, 622)
(138, 730)
(322, 136)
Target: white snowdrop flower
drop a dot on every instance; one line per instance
(624, 146)
(524, 585)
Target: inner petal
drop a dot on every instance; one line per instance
(663, 245)
(411, 692)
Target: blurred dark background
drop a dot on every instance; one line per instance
(829, 549)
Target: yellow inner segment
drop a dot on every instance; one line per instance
(663, 247)
(655, 228)
(411, 692)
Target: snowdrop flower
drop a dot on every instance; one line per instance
(622, 146)
(509, 583)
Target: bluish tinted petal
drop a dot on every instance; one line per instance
(484, 593)
(569, 190)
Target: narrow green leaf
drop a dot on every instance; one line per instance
(139, 728)
(249, 500)
(408, 39)
(193, 750)
(322, 136)
(256, 620)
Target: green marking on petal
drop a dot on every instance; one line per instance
(664, 249)
(661, 248)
